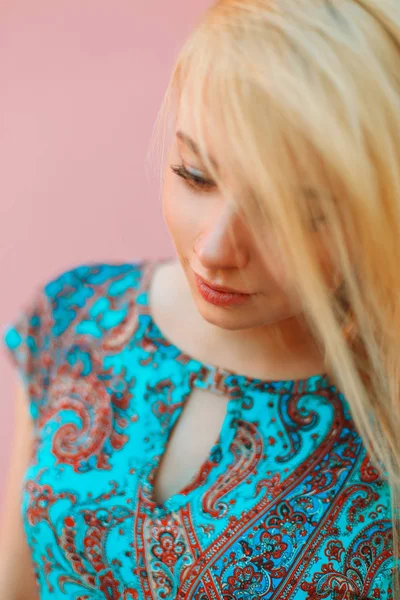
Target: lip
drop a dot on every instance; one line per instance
(219, 288)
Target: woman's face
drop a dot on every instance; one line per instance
(212, 240)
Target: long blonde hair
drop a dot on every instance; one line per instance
(305, 96)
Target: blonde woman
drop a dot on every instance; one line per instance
(225, 423)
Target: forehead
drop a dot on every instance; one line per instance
(194, 119)
(193, 113)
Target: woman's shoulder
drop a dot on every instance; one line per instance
(85, 299)
(92, 291)
(85, 279)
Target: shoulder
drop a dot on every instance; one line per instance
(85, 299)
(87, 278)
(89, 302)
(70, 291)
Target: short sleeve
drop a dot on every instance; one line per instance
(30, 345)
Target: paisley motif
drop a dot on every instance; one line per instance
(286, 506)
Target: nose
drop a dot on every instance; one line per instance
(224, 243)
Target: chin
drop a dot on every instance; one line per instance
(223, 317)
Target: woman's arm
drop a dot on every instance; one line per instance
(17, 580)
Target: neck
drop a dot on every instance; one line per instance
(284, 350)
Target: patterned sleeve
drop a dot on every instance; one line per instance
(30, 345)
(51, 320)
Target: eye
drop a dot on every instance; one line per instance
(192, 180)
(316, 217)
(316, 222)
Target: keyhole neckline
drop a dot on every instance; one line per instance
(210, 375)
(238, 387)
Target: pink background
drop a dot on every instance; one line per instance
(81, 83)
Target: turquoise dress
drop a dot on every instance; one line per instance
(287, 505)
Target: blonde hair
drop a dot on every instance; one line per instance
(305, 95)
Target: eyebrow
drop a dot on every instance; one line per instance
(187, 140)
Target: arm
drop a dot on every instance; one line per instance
(17, 579)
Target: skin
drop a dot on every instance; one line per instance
(202, 223)
(240, 338)
(17, 578)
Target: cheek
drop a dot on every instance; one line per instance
(180, 212)
(326, 261)
(270, 256)
(285, 275)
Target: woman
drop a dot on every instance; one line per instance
(224, 423)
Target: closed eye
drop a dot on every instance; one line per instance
(192, 180)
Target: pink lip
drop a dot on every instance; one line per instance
(219, 297)
(219, 288)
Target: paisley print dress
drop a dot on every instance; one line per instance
(287, 505)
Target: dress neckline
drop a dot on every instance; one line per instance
(210, 372)
(238, 387)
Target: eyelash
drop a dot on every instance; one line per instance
(193, 181)
(205, 185)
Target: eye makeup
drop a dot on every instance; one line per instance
(194, 179)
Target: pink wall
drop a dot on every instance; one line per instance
(81, 83)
